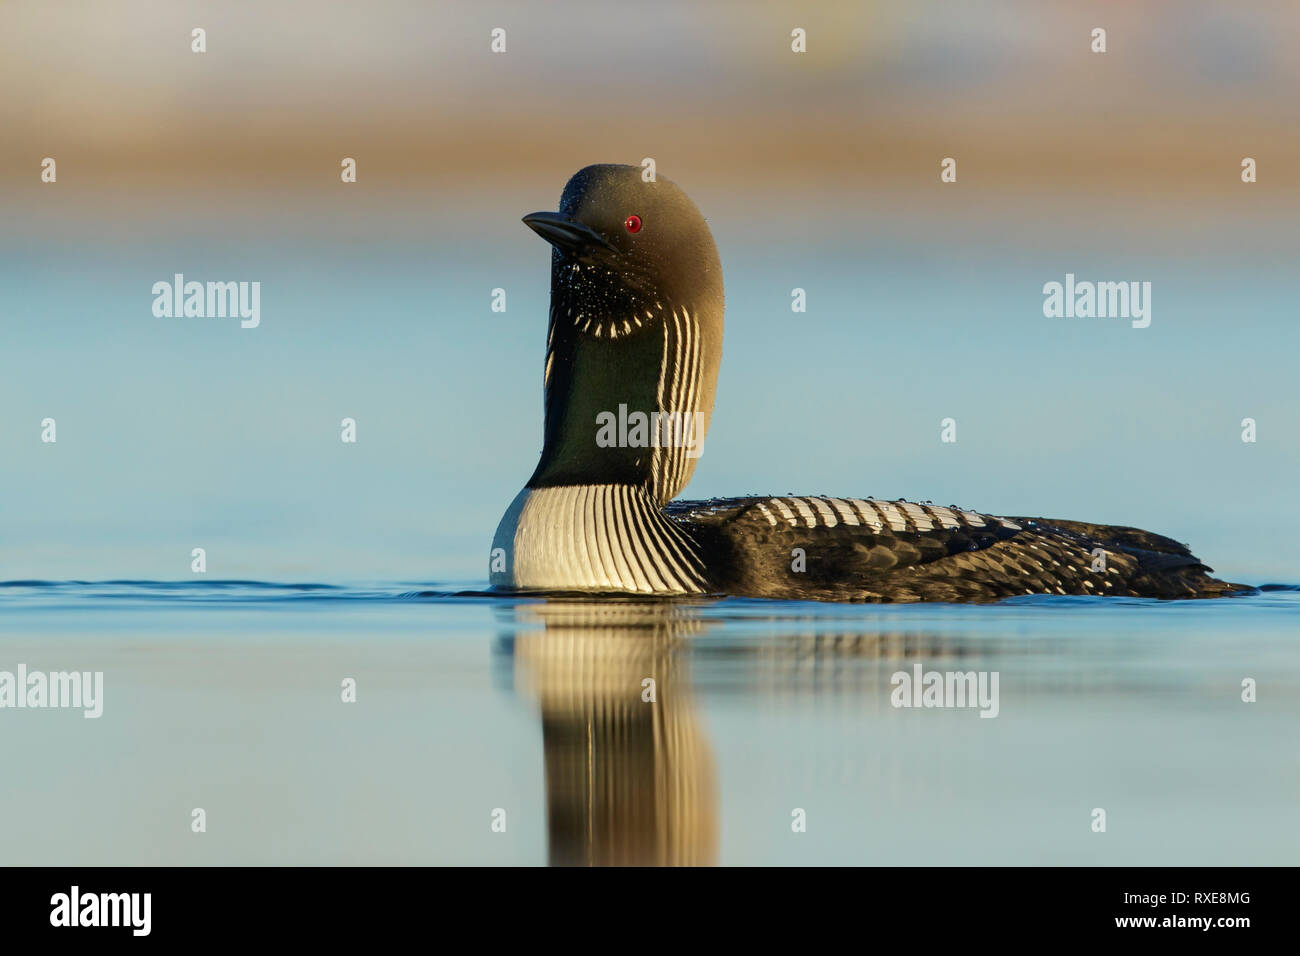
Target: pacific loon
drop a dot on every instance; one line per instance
(632, 353)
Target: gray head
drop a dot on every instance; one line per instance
(635, 328)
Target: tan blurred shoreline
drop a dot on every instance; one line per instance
(138, 122)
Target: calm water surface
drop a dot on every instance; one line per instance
(226, 696)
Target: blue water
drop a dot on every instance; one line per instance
(226, 696)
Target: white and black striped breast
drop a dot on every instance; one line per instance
(593, 538)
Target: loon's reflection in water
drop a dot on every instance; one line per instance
(630, 776)
(629, 766)
(763, 708)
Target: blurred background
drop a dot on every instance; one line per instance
(816, 170)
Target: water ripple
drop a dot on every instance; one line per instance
(42, 593)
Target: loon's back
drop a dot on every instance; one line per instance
(850, 549)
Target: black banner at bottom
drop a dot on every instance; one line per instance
(335, 905)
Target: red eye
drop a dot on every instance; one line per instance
(633, 223)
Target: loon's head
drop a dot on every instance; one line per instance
(635, 329)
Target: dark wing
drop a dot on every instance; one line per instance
(852, 549)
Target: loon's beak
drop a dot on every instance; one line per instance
(564, 232)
